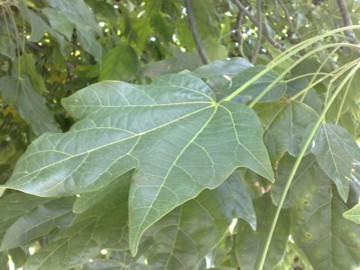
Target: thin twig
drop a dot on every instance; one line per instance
(265, 33)
(260, 29)
(287, 17)
(239, 18)
(347, 21)
(195, 33)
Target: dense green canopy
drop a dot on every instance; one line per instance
(189, 134)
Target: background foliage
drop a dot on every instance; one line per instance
(94, 219)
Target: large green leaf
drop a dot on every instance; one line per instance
(336, 151)
(250, 243)
(180, 140)
(185, 236)
(29, 103)
(47, 217)
(317, 226)
(101, 226)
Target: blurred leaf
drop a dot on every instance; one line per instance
(16, 205)
(219, 73)
(39, 28)
(27, 65)
(106, 265)
(18, 257)
(120, 63)
(64, 16)
(4, 261)
(30, 104)
(47, 217)
(178, 62)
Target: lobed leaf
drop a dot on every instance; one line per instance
(180, 140)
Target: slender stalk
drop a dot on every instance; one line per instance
(195, 34)
(286, 71)
(297, 164)
(343, 101)
(288, 54)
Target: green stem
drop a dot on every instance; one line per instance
(288, 54)
(286, 71)
(297, 163)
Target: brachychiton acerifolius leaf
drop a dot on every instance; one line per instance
(175, 135)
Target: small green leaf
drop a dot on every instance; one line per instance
(335, 151)
(175, 134)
